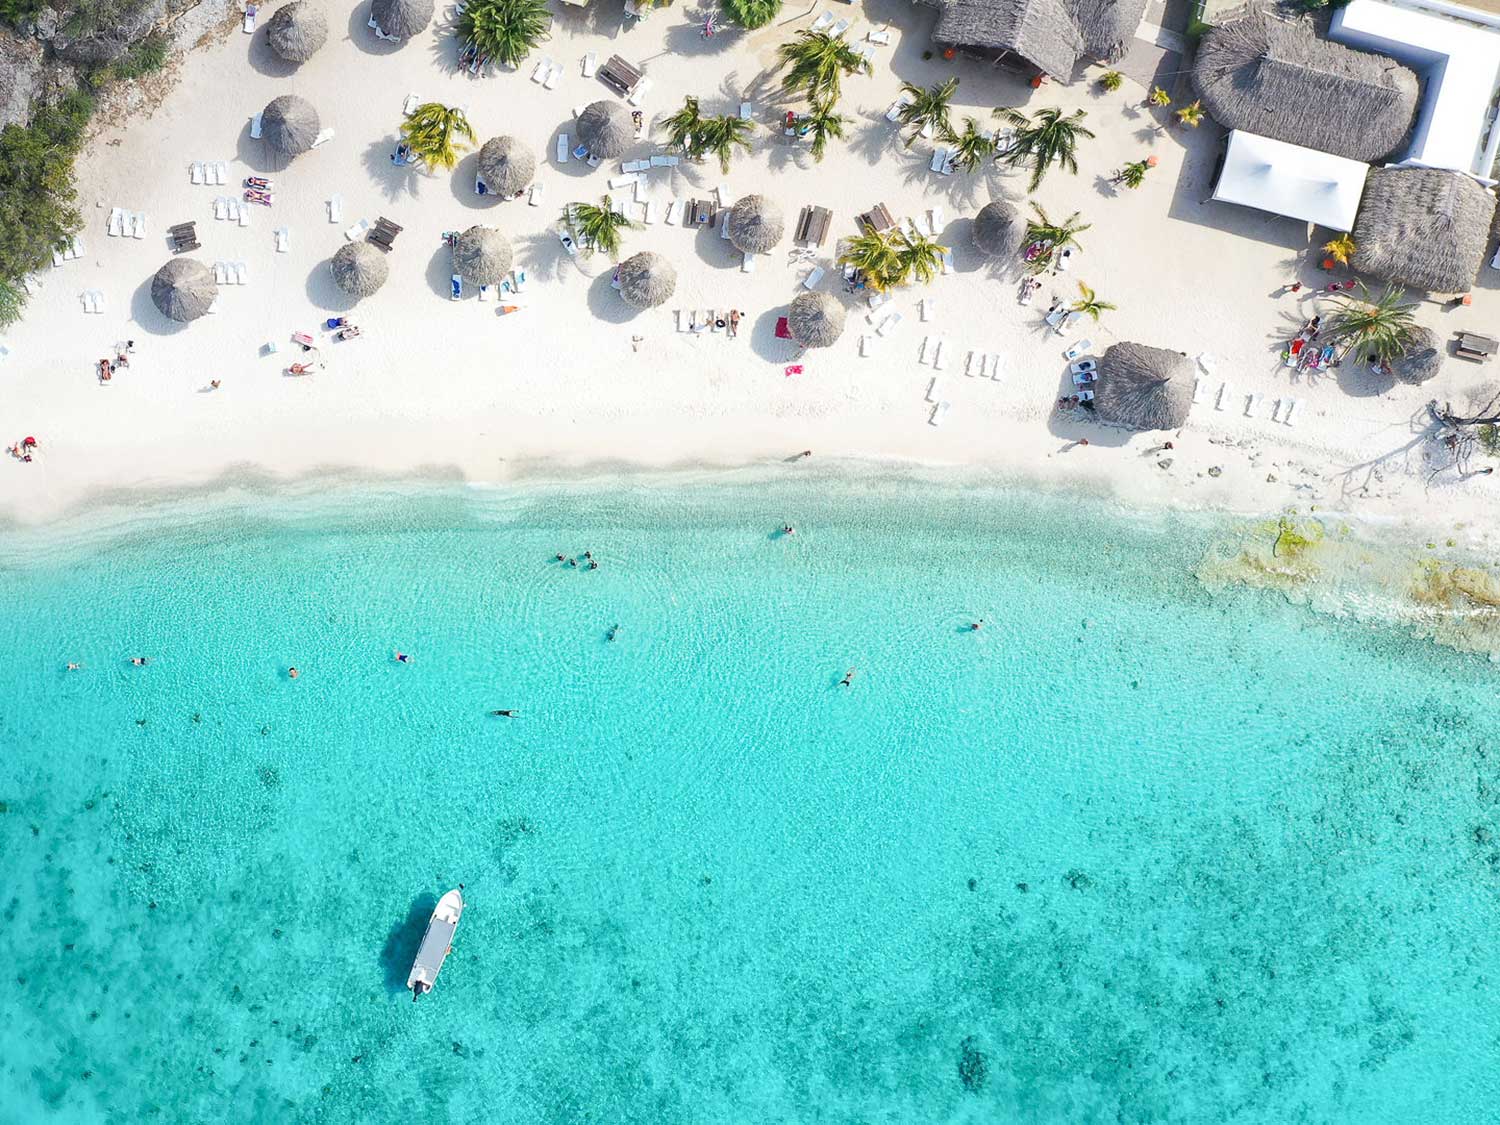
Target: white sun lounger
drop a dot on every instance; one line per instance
(971, 368)
(357, 230)
(638, 95)
(57, 258)
(894, 113)
(541, 70)
(534, 196)
(323, 138)
(674, 212)
(195, 172)
(241, 273)
(995, 369)
(409, 106)
(875, 300)
(1290, 416)
(485, 293)
(747, 263)
(1198, 385)
(641, 190)
(747, 110)
(255, 127)
(629, 180)
(634, 165)
(932, 390)
(939, 159)
(1226, 392)
(885, 326)
(244, 214)
(138, 225)
(4, 351)
(867, 346)
(927, 350)
(814, 276)
(866, 52)
(116, 222)
(75, 247)
(939, 412)
(724, 226)
(947, 262)
(221, 208)
(934, 220)
(562, 148)
(651, 212)
(825, 19)
(283, 240)
(927, 308)
(221, 274)
(1252, 402)
(1078, 348)
(1207, 363)
(590, 64)
(939, 355)
(839, 28)
(882, 37)
(1276, 410)
(554, 76)
(519, 278)
(336, 209)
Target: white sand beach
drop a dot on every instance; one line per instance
(576, 377)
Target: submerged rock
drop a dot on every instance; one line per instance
(973, 1067)
(1078, 880)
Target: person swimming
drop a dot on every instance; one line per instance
(561, 557)
(402, 658)
(848, 679)
(593, 564)
(292, 673)
(138, 661)
(788, 529)
(504, 714)
(613, 632)
(975, 626)
(73, 667)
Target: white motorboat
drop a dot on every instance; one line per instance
(437, 942)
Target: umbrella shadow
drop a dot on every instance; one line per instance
(461, 183)
(258, 156)
(324, 293)
(575, 167)
(765, 343)
(715, 249)
(363, 36)
(143, 311)
(403, 941)
(606, 303)
(394, 183)
(440, 272)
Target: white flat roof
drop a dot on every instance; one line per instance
(1290, 180)
(1457, 53)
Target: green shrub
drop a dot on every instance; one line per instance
(12, 12)
(751, 14)
(12, 301)
(37, 211)
(1489, 439)
(146, 57)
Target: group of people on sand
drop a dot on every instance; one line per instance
(23, 449)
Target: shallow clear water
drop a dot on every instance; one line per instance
(1132, 852)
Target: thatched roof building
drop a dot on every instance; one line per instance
(1423, 227)
(1143, 388)
(401, 19)
(816, 320)
(289, 124)
(183, 289)
(1423, 358)
(506, 165)
(359, 269)
(296, 30)
(605, 129)
(1050, 36)
(482, 256)
(756, 225)
(1278, 79)
(646, 280)
(998, 229)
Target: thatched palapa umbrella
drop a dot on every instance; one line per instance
(183, 289)
(755, 225)
(1143, 388)
(605, 129)
(359, 269)
(482, 256)
(1423, 227)
(646, 280)
(997, 229)
(816, 320)
(401, 19)
(1423, 358)
(289, 124)
(296, 31)
(506, 165)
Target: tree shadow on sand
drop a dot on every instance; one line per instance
(403, 941)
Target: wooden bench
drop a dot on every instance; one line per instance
(1472, 346)
(620, 76)
(813, 225)
(384, 234)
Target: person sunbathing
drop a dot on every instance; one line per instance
(106, 371)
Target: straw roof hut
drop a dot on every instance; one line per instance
(1143, 388)
(1278, 79)
(289, 124)
(1051, 35)
(401, 19)
(359, 268)
(1423, 358)
(816, 320)
(997, 229)
(183, 289)
(755, 225)
(646, 280)
(482, 256)
(296, 30)
(605, 129)
(506, 165)
(1422, 227)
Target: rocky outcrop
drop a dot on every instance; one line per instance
(21, 70)
(109, 32)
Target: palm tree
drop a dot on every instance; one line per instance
(1110, 81)
(927, 108)
(822, 125)
(1158, 97)
(1044, 140)
(918, 256)
(721, 136)
(432, 131)
(1340, 249)
(1190, 116)
(971, 148)
(598, 227)
(1378, 330)
(1133, 175)
(682, 125)
(875, 255)
(814, 61)
(751, 14)
(1044, 238)
(503, 30)
(1088, 303)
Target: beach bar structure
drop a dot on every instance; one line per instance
(1456, 53)
(1423, 227)
(1048, 37)
(1285, 179)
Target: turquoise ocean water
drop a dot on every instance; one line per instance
(1135, 851)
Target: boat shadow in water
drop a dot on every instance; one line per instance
(402, 943)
